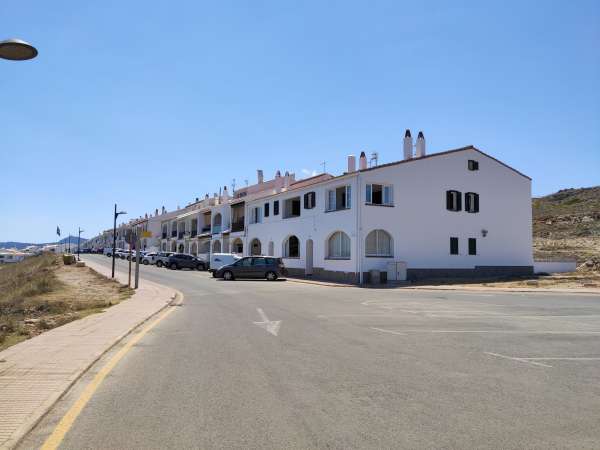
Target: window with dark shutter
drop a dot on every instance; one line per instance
(471, 202)
(453, 201)
(454, 246)
(309, 200)
(276, 208)
(472, 246)
(473, 165)
(267, 209)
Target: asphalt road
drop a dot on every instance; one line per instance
(349, 368)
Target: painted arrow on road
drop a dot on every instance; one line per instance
(272, 326)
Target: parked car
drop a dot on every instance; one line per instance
(121, 253)
(218, 260)
(181, 261)
(108, 251)
(149, 258)
(162, 259)
(253, 267)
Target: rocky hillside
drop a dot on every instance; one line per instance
(566, 224)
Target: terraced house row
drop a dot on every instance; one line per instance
(459, 212)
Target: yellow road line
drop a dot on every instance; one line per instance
(69, 418)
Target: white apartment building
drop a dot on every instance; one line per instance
(456, 213)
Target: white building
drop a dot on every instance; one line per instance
(456, 213)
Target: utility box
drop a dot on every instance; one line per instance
(396, 271)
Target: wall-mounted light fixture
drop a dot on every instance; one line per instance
(484, 232)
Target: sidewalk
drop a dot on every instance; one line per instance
(593, 291)
(35, 373)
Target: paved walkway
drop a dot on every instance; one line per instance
(35, 373)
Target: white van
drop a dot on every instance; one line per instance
(221, 259)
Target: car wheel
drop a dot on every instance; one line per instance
(200, 267)
(174, 266)
(227, 275)
(145, 262)
(271, 276)
(159, 264)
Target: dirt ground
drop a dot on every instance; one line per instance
(75, 292)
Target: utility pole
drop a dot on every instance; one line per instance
(324, 164)
(130, 239)
(137, 259)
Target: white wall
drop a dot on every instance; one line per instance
(554, 266)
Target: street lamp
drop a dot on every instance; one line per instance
(117, 214)
(17, 50)
(79, 231)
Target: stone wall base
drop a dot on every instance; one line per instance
(415, 274)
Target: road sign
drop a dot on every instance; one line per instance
(146, 234)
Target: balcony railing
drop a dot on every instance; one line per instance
(194, 233)
(205, 229)
(238, 225)
(173, 233)
(180, 235)
(216, 229)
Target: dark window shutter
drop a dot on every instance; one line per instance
(313, 199)
(458, 201)
(476, 201)
(266, 210)
(306, 201)
(454, 246)
(276, 208)
(468, 201)
(449, 200)
(472, 246)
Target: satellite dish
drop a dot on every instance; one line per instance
(17, 50)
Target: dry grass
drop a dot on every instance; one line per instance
(41, 293)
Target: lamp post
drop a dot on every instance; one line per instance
(79, 231)
(117, 214)
(17, 50)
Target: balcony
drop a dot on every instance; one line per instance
(238, 225)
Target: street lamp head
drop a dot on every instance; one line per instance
(122, 212)
(17, 50)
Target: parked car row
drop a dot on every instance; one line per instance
(227, 266)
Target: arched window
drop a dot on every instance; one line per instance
(291, 247)
(379, 243)
(216, 248)
(217, 220)
(255, 247)
(338, 246)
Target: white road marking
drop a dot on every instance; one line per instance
(564, 358)
(525, 360)
(271, 326)
(388, 331)
(404, 332)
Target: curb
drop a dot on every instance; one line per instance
(22, 432)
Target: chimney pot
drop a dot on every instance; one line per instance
(260, 176)
(362, 161)
(420, 145)
(351, 163)
(408, 145)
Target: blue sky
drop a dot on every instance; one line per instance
(156, 103)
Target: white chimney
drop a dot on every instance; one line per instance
(164, 210)
(259, 174)
(351, 163)
(225, 193)
(420, 145)
(408, 145)
(286, 179)
(362, 161)
(156, 212)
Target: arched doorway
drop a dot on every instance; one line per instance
(309, 257)
(237, 246)
(216, 247)
(255, 247)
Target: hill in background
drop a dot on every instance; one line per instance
(566, 224)
(22, 245)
